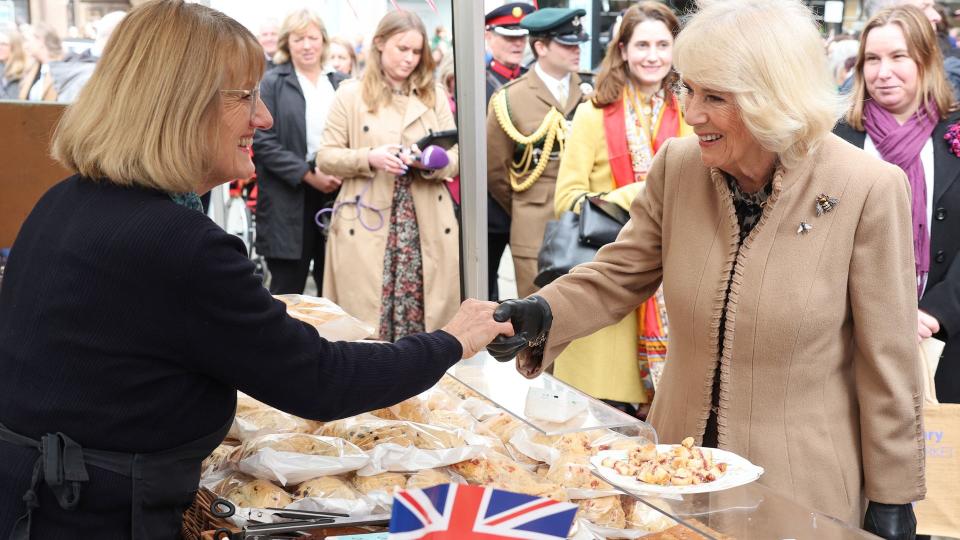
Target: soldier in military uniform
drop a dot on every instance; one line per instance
(506, 42)
(527, 120)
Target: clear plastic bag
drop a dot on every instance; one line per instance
(603, 511)
(330, 320)
(368, 431)
(292, 458)
(258, 493)
(572, 471)
(496, 470)
(503, 425)
(267, 421)
(326, 487)
(217, 460)
(413, 409)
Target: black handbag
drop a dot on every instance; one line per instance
(575, 238)
(601, 221)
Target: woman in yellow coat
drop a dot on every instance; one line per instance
(610, 148)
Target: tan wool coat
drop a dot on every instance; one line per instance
(353, 275)
(819, 376)
(529, 100)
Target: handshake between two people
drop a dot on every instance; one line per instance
(504, 330)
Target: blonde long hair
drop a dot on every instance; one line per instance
(150, 113)
(376, 89)
(923, 49)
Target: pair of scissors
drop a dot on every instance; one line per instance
(299, 520)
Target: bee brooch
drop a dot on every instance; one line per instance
(825, 203)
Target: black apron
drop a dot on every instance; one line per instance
(160, 481)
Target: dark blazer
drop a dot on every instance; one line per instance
(279, 155)
(128, 322)
(942, 295)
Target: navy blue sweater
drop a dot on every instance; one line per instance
(128, 322)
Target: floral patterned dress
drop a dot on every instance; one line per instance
(402, 312)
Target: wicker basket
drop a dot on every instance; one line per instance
(198, 518)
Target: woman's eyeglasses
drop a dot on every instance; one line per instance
(252, 95)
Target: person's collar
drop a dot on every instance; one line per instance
(547, 78)
(504, 71)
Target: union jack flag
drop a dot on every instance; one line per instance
(462, 512)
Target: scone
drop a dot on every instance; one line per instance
(369, 433)
(413, 409)
(325, 487)
(487, 469)
(641, 517)
(388, 481)
(427, 478)
(259, 494)
(452, 419)
(246, 404)
(603, 511)
(572, 471)
(456, 388)
(217, 458)
(441, 400)
(271, 421)
(503, 425)
(298, 443)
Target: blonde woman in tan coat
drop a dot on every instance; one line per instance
(786, 260)
(392, 253)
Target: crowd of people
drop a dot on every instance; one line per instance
(787, 275)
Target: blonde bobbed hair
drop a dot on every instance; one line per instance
(150, 113)
(922, 47)
(769, 55)
(298, 21)
(376, 89)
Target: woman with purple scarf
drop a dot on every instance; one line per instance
(904, 111)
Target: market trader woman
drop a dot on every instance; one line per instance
(787, 267)
(129, 320)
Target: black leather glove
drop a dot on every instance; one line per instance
(891, 521)
(531, 319)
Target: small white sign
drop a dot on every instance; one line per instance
(833, 11)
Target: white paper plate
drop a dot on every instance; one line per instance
(739, 472)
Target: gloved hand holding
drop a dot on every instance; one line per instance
(891, 521)
(531, 318)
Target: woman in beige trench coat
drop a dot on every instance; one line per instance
(370, 126)
(787, 264)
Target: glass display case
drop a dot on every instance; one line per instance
(749, 511)
(545, 403)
